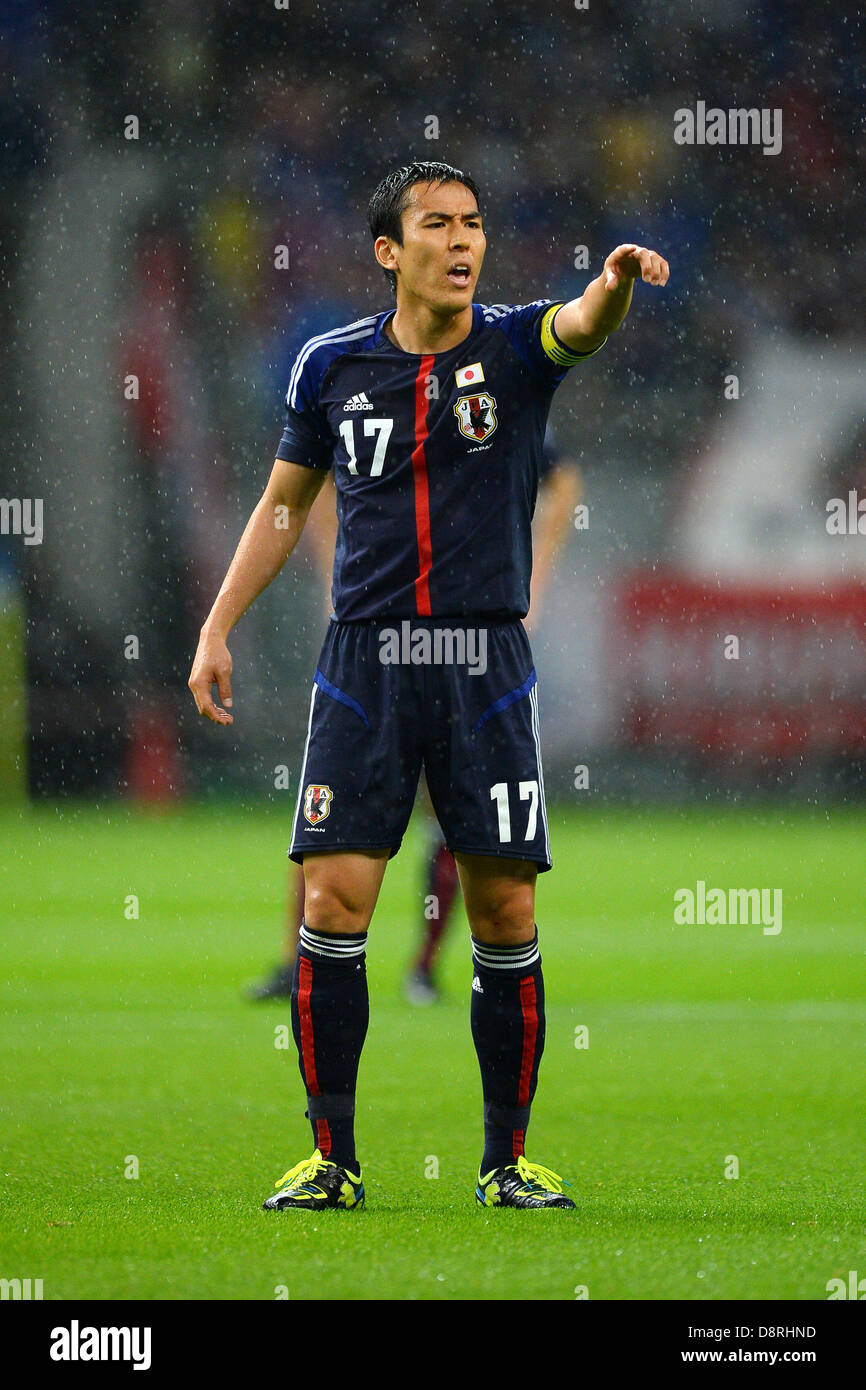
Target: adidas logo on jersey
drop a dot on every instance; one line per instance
(359, 402)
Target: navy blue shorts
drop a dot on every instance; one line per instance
(454, 697)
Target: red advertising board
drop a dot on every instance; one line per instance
(792, 680)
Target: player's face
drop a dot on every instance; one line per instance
(443, 246)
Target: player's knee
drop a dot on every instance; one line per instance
(505, 915)
(334, 906)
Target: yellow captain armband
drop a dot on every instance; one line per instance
(554, 348)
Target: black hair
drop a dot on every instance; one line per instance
(391, 198)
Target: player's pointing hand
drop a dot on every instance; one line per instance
(212, 667)
(630, 262)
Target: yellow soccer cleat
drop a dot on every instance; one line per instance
(521, 1184)
(316, 1184)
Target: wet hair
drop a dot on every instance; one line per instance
(391, 198)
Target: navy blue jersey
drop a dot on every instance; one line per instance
(437, 460)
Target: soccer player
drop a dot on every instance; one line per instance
(432, 416)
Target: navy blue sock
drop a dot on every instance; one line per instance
(330, 1012)
(507, 1017)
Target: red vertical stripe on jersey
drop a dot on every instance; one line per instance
(530, 1033)
(422, 491)
(305, 985)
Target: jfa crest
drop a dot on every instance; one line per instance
(317, 803)
(476, 415)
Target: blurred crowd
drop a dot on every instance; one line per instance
(276, 122)
(269, 124)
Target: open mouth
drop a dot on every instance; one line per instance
(459, 274)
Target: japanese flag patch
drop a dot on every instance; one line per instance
(472, 375)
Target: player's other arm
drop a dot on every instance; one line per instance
(583, 324)
(321, 531)
(269, 538)
(560, 493)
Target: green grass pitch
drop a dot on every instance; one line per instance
(129, 1038)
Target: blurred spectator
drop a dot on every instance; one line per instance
(263, 127)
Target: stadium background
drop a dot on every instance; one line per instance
(155, 257)
(261, 128)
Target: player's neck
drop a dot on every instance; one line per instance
(415, 327)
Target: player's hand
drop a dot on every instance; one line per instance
(630, 261)
(212, 667)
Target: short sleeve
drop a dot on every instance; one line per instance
(306, 439)
(531, 332)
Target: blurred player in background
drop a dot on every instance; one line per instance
(558, 494)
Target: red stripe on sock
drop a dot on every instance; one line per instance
(518, 1137)
(323, 1137)
(305, 985)
(422, 490)
(530, 1033)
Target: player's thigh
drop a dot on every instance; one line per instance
(500, 897)
(341, 889)
(362, 757)
(482, 754)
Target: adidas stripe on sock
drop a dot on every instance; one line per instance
(332, 945)
(521, 957)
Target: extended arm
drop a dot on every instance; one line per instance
(269, 538)
(583, 324)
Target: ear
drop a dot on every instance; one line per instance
(383, 250)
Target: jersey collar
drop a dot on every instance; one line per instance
(382, 340)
